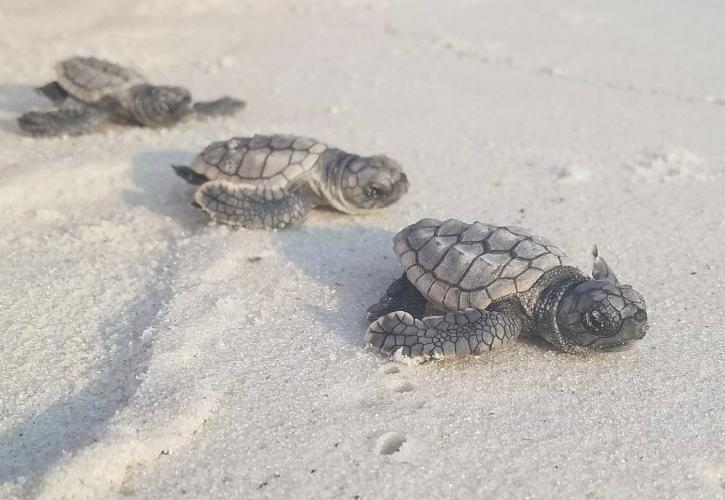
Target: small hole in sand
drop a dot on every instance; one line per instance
(401, 386)
(389, 443)
(390, 368)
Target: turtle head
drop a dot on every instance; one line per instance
(598, 314)
(158, 106)
(371, 183)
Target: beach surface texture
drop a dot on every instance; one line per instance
(149, 353)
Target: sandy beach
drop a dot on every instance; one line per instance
(149, 353)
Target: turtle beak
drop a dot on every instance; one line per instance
(632, 330)
(401, 186)
(403, 183)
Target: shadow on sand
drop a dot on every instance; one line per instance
(161, 190)
(355, 260)
(16, 99)
(29, 449)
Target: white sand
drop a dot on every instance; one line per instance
(145, 355)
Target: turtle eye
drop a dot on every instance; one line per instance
(640, 315)
(593, 320)
(374, 191)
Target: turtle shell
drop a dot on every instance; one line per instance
(266, 160)
(89, 79)
(457, 265)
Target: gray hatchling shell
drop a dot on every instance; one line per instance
(89, 79)
(457, 265)
(271, 161)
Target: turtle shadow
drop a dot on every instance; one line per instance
(538, 342)
(30, 449)
(160, 190)
(16, 99)
(354, 260)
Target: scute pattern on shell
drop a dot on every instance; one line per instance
(272, 161)
(457, 265)
(89, 79)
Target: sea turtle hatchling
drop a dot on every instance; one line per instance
(269, 181)
(497, 282)
(91, 92)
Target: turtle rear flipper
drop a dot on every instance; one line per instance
(54, 92)
(251, 207)
(189, 175)
(226, 106)
(66, 121)
(471, 331)
(401, 295)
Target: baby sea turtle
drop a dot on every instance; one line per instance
(91, 92)
(498, 282)
(269, 181)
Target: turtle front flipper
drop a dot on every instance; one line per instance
(226, 106)
(65, 121)
(252, 207)
(471, 331)
(600, 269)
